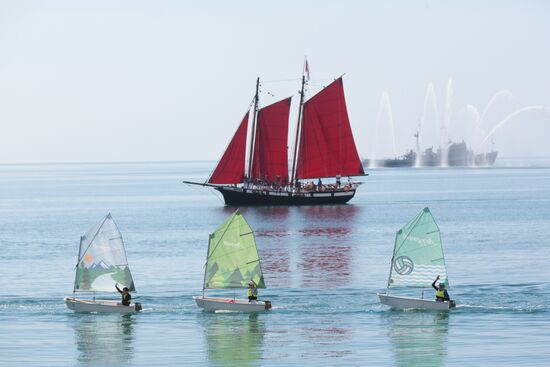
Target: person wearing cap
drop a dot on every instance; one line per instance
(252, 291)
(441, 294)
(125, 293)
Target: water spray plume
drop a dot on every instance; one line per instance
(384, 113)
(500, 94)
(430, 97)
(514, 114)
(474, 113)
(446, 125)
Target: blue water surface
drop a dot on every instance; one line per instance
(323, 267)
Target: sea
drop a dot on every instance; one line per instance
(323, 267)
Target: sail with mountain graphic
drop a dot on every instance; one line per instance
(102, 260)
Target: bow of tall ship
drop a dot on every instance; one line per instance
(324, 150)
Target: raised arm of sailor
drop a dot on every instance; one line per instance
(118, 289)
(433, 284)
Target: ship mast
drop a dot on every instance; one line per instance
(417, 137)
(253, 137)
(298, 129)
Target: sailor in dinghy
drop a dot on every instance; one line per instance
(232, 262)
(102, 265)
(417, 259)
(441, 294)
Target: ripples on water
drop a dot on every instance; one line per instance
(323, 267)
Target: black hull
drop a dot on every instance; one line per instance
(237, 196)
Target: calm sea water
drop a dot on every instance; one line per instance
(323, 267)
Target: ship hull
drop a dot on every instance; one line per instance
(238, 196)
(487, 159)
(455, 160)
(390, 163)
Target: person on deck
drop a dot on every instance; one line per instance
(125, 293)
(319, 185)
(297, 185)
(441, 294)
(252, 291)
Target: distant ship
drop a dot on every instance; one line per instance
(458, 155)
(323, 148)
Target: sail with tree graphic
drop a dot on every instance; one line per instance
(232, 256)
(232, 262)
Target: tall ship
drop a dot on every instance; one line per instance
(324, 148)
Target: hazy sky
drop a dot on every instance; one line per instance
(171, 80)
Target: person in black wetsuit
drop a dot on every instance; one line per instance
(126, 296)
(441, 294)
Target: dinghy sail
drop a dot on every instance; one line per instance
(101, 265)
(417, 260)
(232, 262)
(102, 260)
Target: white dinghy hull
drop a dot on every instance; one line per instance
(415, 303)
(102, 306)
(230, 304)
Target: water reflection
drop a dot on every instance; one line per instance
(265, 212)
(326, 266)
(330, 212)
(326, 253)
(419, 338)
(324, 233)
(276, 266)
(234, 339)
(104, 339)
(270, 212)
(327, 231)
(332, 342)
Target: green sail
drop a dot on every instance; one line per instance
(418, 255)
(232, 259)
(102, 260)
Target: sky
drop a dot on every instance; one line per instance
(89, 81)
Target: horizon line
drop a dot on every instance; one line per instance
(52, 163)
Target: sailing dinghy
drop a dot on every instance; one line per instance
(101, 265)
(324, 147)
(417, 260)
(232, 262)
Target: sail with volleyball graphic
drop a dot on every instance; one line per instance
(418, 262)
(418, 254)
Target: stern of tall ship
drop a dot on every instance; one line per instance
(240, 196)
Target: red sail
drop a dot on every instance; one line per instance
(230, 169)
(327, 147)
(270, 159)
